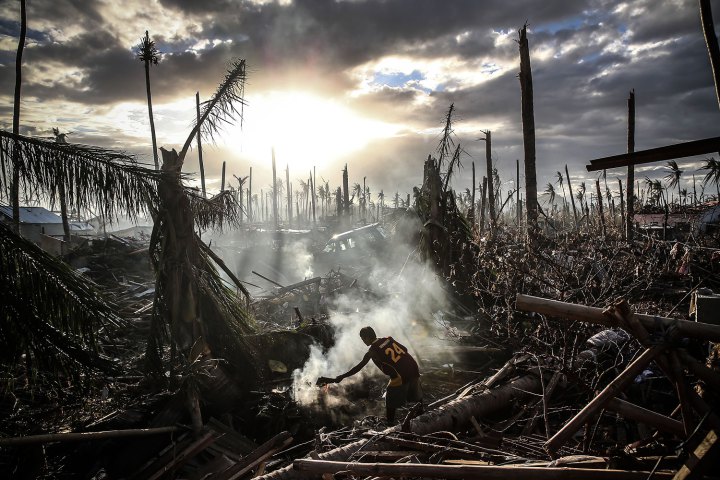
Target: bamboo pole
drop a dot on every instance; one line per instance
(703, 331)
(601, 400)
(485, 472)
(85, 436)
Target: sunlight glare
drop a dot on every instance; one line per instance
(305, 130)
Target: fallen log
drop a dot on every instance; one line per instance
(486, 472)
(445, 418)
(85, 436)
(703, 331)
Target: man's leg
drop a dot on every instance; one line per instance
(390, 412)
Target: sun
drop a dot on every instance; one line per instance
(305, 130)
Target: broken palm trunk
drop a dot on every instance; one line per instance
(202, 319)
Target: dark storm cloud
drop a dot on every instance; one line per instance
(580, 90)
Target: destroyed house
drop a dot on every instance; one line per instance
(43, 227)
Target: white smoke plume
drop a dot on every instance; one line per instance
(405, 314)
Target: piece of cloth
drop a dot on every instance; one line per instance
(393, 359)
(396, 396)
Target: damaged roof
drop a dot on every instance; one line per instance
(33, 215)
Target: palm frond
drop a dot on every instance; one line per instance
(224, 107)
(105, 181)
(49, 313)
(216, 212)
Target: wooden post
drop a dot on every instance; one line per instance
(199, 144)
(629, 233)
(528, 121)
(600, 209)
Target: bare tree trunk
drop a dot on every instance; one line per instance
(274, 191)
(482, 204)
(312, 192)
(346, 192)
(63, 212)
(528, 120)
(222, 178)
(712, 43)
(490, 186)
(289, 194)
(249, 202)
(471, 213)
(15, 187)
(623, 221)
(600, 209)
(572, 198)
(199, 143)
(631, 169)
(517, 187)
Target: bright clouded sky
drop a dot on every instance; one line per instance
(367, 82)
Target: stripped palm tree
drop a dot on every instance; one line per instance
(673, 176)
(49, 312)
(550, 192)
(194, 311)
(561, 182)
(149, 55)
(712, 167)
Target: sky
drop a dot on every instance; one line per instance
(367, 83)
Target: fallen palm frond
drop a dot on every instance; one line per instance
(49, 313)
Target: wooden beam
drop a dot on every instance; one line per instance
(668, 152)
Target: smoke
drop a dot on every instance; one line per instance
(405, 313)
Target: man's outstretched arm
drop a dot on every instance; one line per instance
(325, 380)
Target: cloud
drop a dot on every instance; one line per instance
(401, 62)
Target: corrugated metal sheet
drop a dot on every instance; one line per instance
(32, 215)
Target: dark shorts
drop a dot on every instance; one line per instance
(396, 397)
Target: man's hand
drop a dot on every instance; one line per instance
(322, 381)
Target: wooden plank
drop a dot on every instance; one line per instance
(659, 154)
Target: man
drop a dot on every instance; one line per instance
(393, 359)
